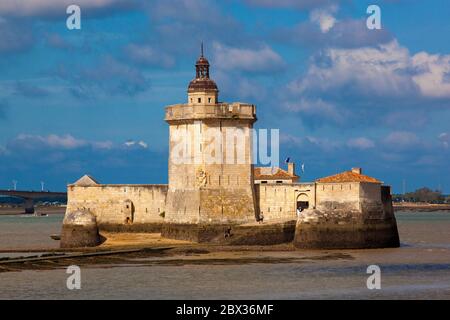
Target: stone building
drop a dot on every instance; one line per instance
(207, 184)
(269, 175)
(214, 190)
(349, 210)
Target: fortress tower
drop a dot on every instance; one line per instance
(211, 185)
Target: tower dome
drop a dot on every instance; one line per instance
(202, 89)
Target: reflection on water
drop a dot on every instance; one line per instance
(420, 269)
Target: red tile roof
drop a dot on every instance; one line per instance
(272, 173)
(348, 176)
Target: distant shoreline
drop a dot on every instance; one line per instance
(8, 211)
(420, 206)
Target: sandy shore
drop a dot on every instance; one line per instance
(155, 251)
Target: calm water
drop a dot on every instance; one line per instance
(420, 269)
(29, 232)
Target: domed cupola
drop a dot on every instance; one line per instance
(202, 90)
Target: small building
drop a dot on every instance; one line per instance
(277, 175)
(348, 190)
(352, 210)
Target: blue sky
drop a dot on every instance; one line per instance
(92, 100)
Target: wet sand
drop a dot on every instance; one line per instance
(157, 268)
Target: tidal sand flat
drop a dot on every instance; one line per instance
(419, 269)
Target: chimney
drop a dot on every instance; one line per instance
(291, 168)
(357, 170)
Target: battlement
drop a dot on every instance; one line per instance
(236, 110)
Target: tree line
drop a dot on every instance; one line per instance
(423, 195)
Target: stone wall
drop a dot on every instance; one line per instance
(370, 198)
(276, 201)
(121, 207)
(338, 196)
(279, 201)
(348, 215)
(361, 199)
(204, 186)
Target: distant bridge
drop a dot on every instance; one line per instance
(31, 196)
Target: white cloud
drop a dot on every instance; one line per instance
(402, 140)
(322, 143)
(386, 70)
(263, 59)
(66, 141)
(361, 143)
(324, 17)
(325, 144)
(26, 8)
(444, 137)
(432, 72)
(242, 87)
(290, 139)
(28, 141)
(299, 4)
(131, 143)
(143, 144)
(316, 107)
(148, 55)
(369, 71)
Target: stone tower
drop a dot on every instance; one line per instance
(211, 184)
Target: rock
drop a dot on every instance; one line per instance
(79, 230)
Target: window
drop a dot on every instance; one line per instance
(263, 181)
(191, 100)
(199, 100)
(279, 181)
(209, 100)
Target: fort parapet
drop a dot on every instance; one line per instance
(185, 112)
(119, 207)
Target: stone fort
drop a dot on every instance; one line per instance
(234, 201)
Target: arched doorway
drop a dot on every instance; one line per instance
(302, 202)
